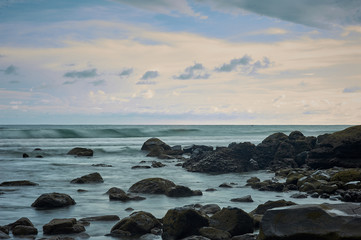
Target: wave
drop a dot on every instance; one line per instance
(31, 132)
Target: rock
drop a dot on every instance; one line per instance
(181, 191)
(347, 175)
(138, 223)
(342, 149)
(299, 195)
(18, 183)
(101, 165)
(247, 198)
(81, 152)
(125, 197)
(63, 226)
(262, 208)
(22, 230)
(25, 155)
(214, 234)
(248, 236)
(4, 235)
(225, 185)
(90, 178)
(235, 158)
(101, 218)
(53, 200)
(5, 229)
(156, 164)
(81, 190)
(20, 222)
(152, 185)
(195, 237)
(115, 190)
(154, 143)
(233, 220)
(141, 167)
(211, 190)
(210, 209)
(157, 148)
(351, 196)
(179, 223)
(326, 221)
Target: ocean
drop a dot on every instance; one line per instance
(119, 146)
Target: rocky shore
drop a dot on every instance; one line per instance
(325, 166)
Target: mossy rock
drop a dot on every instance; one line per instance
(152, 185)
(348, 175)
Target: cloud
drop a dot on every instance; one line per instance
(193, 72)
(352, 89)
(164, 7)
(149, 75)
(10, 70)
(98, 83)
(82, 74)
(69, 82)
(126, 72)
(320, 13)
(351, 29)
(265, 63)
(270, 31)
(234, 63)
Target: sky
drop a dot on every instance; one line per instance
(180, 62)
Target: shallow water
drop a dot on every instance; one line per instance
(120, 146)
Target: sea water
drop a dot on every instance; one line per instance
(119, 146)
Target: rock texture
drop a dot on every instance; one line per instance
(53, 200)
(18, 183)
(326, 221)
(152, 185)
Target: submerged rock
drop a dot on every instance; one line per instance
(182, 191)
(18, 183)
(303, 222)
(53, 200)
(89, 178)
(152, 185)
(247, 198)
(81, 152)
(101, 218)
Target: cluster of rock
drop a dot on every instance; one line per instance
(77, 151)
(341, 149)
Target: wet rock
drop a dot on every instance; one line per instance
(179, 223)
(25, 155)
(141, 167)
(115, 190)
(18, 183)
(4, 235)
(181, 191)
(342, 149)
(138, 223)
(152, 185)
(214, 234)
(156, 164)
(154, 143)
(233, 220)
(118, 194)
(248, 236)
(351, 196)
(347, 175)
(101, 165)
(22, 230)
(20, 222)
(89, 178)
(101, 218)
(5, 229)
(53, 200)
(195, 237)
(81, 152)
(157, 148)
(262, 208)
(225, 185)
(299, 195)
(210, 209)
(63, 226)
(211, 190)
(326, 221)
(247, 198)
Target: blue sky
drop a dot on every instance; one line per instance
(180, 62)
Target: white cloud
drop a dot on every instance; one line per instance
(270, 31)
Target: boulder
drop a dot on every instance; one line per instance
(18, 183)
(100, 218)
(89, 178)
(155, 143)
(21, 222)
(22, 230)
(214, 234)
(4, 235)
(262, 208)
(118, 194)
(303, 222)
(342, 149)
(347, 175)
(351, 196)
(53, 200)
(137, 224)
(179, 223)
(152, 185)
(63, 226)
(233, 220)
(235, 158)
(210, 209)
(81, 152)
(247, 198)
(181, 191)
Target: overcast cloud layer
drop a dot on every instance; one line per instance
(180, 62)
